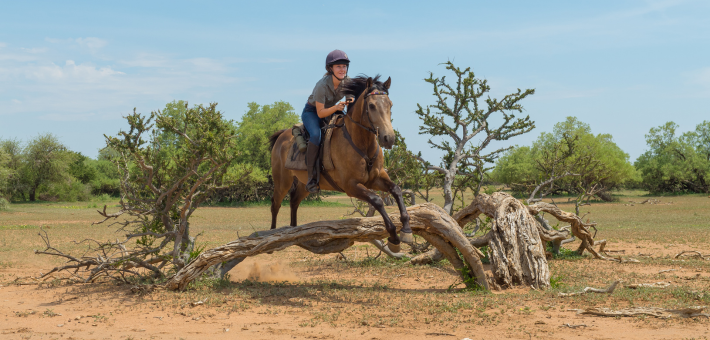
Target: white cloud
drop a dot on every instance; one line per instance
(68, 116)
(90, 91)
(92, 43)
(58, 41)
(699, 80)
(701, 76)
(147, 60)
(34, 50)
(70, 71)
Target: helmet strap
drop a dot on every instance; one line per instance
(330, 70)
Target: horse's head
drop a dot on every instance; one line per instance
(379, 109)
(376, 108)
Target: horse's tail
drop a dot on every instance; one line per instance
(274, 137)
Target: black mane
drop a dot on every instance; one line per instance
(356, 86)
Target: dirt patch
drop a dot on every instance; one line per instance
(264, 271)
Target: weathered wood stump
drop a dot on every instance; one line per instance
(516, 240)
(427, 220)
(515, 249)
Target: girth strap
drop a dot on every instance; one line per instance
(369, 161)
(330, 180)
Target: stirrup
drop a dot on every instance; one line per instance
(312, 187)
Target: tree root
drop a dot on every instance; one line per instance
(574, 326)
(649, 285)
(608, 290)
(647, 311)
(692, 253)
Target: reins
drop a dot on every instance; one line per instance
(369, 161)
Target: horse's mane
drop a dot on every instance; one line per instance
(356, 86)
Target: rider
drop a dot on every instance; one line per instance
(322, 103)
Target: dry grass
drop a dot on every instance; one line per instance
(363, 293)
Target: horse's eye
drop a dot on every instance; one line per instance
(373, 107)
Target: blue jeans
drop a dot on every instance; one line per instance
(312, 123)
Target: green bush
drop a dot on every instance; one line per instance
(4, 204)
(676, 164)
(596, 158)
(69, 191)
(246, 183)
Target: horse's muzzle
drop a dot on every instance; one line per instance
(387, 141)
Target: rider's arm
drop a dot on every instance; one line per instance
(323, 112)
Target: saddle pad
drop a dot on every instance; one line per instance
(296, 160)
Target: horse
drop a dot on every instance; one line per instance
(357, 158)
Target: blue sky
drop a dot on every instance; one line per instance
(75, 68)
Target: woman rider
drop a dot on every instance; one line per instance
(322, 103)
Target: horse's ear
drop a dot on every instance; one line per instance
(369, 83)
(388, 83)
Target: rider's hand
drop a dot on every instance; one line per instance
(340, 106)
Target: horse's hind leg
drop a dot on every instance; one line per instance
(297, 195)
(281, 188)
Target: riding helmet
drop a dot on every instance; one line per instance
(337, 57)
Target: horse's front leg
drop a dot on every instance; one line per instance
(359, 191)
(384, 183)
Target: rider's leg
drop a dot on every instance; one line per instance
(312, 124)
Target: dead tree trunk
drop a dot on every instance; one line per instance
(515, 248)
(427, 220)
(491, 206)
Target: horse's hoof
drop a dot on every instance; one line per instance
(395, 248)
(407, 238)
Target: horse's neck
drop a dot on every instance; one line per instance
(362, 138)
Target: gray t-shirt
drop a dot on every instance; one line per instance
(325, 92)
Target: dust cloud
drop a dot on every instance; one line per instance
(263, 271)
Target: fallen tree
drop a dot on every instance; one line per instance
(516, 247)
(427, 220)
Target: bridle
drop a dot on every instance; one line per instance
(370, 129)
(370, 161)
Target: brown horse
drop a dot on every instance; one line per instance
(358, 162)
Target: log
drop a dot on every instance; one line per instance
(428, 220)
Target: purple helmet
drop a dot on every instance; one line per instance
(337, 57)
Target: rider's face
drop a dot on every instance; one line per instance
(340, 71)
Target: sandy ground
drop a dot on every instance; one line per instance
(107, 311)
(305, 311)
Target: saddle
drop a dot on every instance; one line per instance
(296, 160)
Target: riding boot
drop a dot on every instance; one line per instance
(311, 165)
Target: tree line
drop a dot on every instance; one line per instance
(570, 159)
(43, 168)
